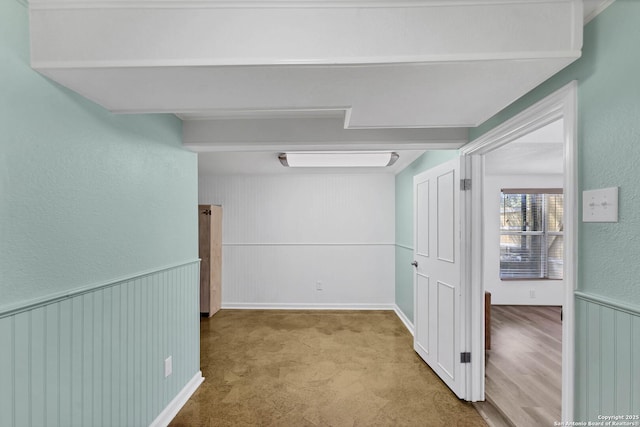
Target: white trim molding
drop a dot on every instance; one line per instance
(294, 306)
(13, 309)
(308, 244)
(172, 409)
(400, 245)
(257, 61)
(540, 114)
(561, 104)
(264, 4)
(597, 10)
(405, 320)
(609, 303)
(386, 307)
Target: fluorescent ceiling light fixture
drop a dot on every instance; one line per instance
(338, 159)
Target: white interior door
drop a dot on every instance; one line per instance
(437, 280)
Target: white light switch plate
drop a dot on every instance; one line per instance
(600, 205)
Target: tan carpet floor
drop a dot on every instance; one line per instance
(317, 368)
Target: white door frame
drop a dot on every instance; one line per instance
(562, 104)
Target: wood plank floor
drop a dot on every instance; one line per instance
(524, 365)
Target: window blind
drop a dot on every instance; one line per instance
(531, 234)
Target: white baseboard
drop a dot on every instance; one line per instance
(178, 402)
(407, 323)
(285, 306)
(282, 306)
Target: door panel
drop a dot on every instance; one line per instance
(422, 229)
(445, 226)
(438, 327)
(422, 332)
(446, 334)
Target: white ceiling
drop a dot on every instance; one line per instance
(266, 162)
(538, 153)
(265, 76)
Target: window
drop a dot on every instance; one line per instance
(531, 234)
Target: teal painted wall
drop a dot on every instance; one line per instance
(608, 153)
(87, 199)
(85, 196)
(608, 145)
(404, 225)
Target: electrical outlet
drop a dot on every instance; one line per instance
(168, 368)
(318, 285)
(532, 293)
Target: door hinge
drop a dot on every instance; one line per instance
(465, 184)
(465, 357)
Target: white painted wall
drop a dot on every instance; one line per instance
(284, 233)
(513, 292)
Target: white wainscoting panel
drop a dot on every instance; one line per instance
(289, 274)
(282, 234)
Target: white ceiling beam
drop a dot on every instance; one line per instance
(253, 146)
(143, 33)
(305, 130)
(405, 64)
(392, 96)
(310, 134)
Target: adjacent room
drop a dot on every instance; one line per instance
(523, 268)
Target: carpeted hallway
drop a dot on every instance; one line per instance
(317, 368)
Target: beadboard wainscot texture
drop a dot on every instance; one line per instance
(95, 357)
(282, 234)
(607, 357)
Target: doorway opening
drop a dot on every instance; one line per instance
(523, 239)
(546, 128)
